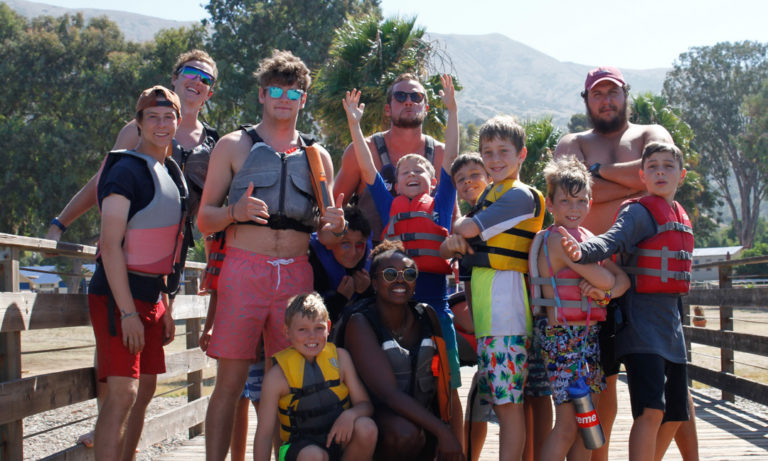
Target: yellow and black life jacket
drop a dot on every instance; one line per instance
(317, 396)
(507, 250)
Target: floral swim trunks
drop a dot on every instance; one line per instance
(564, 348)
(502, 366)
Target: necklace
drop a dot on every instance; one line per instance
(400, 333)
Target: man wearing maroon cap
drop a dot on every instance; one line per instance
(612, 150)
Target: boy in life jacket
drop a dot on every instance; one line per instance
(341, 270)
(574, 296)
(323, 409)
(140, 196)
(653, 241)
(499, 233)
(417, 219)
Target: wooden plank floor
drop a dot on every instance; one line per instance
(725, 431)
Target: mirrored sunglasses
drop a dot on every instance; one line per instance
(193, 72)
(409, 274)
(276, 92)
(401, 96)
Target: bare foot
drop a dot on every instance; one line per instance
(86, 439)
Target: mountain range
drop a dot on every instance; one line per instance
(498, 74)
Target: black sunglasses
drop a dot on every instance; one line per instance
(401, 96)
(409, 274)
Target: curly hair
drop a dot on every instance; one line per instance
(283, 68)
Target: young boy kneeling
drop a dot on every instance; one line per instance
(323, 408)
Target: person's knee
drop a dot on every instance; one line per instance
(312, 453)
(405, 438)
(365, 432)
(147, 386)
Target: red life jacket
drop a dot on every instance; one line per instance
(664, 261)
(572, 305)
(410, 221)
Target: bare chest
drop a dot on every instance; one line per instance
(618, 149)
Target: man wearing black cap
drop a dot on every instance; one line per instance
(612, 150)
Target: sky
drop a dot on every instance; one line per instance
(628, 34)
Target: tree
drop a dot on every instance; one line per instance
(579, 123)
(368, 54)
(710, 84)
(246, 31)
(698, 200)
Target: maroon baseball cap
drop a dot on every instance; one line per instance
(601, 74)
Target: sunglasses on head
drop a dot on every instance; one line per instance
(401, 96)
(192, 72)
(409, 274)
(276, 92)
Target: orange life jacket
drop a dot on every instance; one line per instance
(410, 221)
(663, 262)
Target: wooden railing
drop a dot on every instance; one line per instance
(726, 298)
(21, 397)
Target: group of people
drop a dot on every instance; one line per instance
(298, 261)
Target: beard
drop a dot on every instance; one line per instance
(609, 126)
(409, 122)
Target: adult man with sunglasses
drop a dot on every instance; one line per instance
(611, 150)
(264, 173)
(406, 108)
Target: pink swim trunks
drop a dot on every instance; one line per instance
(252, 297)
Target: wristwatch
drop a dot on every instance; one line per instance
(594, 170)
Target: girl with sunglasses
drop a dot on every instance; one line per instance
(393, 342)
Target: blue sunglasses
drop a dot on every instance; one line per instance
(276, 92)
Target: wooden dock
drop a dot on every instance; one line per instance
(725, 431)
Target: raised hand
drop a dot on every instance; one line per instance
(570, 245)
(448, 93)
(353, 107)
(333, 219)
(250, 208)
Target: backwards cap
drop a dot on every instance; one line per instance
(602, 74)
(148, 98)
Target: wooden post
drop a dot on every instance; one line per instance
(726, 324)
(11, 434)
(686, 320)
(194, 379)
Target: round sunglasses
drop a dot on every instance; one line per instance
(401, 96)
(409, 274)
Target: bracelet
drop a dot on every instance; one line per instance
(126, 315)
(606, 300)
(55, 222)
(231, 213)
(343, 231)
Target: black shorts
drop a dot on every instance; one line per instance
(607, 341)
(657, 383)
(292, 452)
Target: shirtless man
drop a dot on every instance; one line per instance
(406, 108)
(271, 213)
(612, 150)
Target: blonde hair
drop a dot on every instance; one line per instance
(309, 305)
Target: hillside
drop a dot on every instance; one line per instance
(135, 27)
(499, 75)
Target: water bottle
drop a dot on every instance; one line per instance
(586, 416)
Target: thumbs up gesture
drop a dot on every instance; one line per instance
(250, 208)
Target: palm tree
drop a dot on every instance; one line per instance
(368, 53)
(693, 194)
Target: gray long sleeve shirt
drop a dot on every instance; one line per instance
(650, 323)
